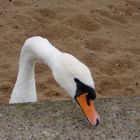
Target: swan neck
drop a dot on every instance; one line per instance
(35, 49)
(25, 88)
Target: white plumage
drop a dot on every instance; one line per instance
(64, 67)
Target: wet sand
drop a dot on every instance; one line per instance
(105, 35)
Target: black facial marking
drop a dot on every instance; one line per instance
(88, 100)
(82, 89)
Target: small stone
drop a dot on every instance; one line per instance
(137, 83)
(108, 32)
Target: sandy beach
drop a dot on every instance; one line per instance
(105, 35)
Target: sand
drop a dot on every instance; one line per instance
(105, 35)
(62, 120)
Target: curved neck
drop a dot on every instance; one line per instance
(32, 52)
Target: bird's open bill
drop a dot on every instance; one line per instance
(88, 109)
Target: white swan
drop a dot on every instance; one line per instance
(68, 71)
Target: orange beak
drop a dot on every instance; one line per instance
(89, 110)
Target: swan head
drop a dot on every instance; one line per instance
(75, 77)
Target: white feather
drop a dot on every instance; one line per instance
(64, 67)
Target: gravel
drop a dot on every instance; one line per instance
(63, 120)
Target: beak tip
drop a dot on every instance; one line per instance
(97, 122)
(89, 110)
(94, 121)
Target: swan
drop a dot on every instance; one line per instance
(71, 74)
